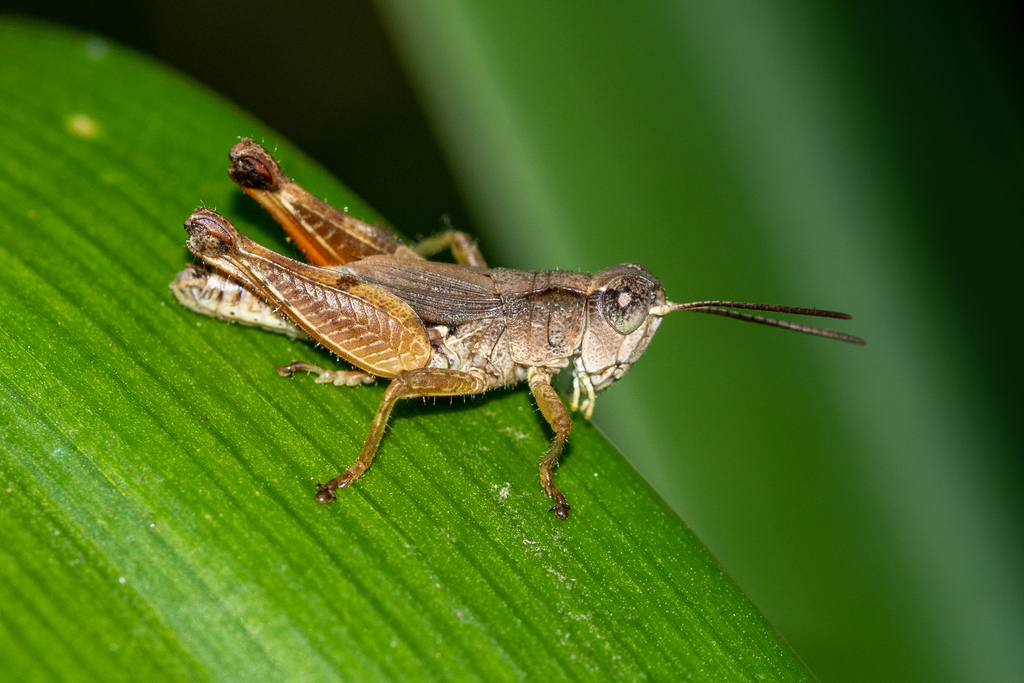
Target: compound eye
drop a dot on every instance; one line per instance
(627, 301)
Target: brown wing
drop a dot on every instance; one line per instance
(367, 326)
(440, 293)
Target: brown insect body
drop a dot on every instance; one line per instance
(435, 329)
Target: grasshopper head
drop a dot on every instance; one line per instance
(625, 307)
(620, 322)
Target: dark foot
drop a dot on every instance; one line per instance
(561, 507)
(296, 365)
(324, 494)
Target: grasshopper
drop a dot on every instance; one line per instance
(433, 329)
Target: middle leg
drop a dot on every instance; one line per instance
(410, 384)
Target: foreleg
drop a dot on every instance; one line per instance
(553, 410)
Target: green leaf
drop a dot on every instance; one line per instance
(157, 519)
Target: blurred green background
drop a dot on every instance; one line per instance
(859, 156)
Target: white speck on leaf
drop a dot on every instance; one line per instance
(83, 126)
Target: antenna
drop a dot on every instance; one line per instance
(723, 308)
